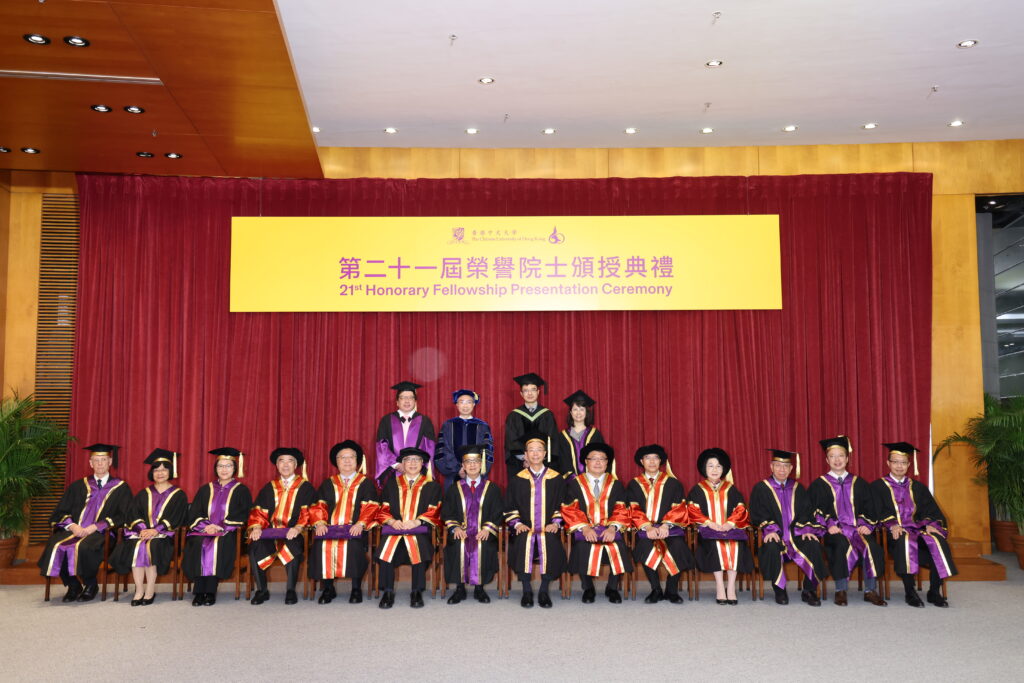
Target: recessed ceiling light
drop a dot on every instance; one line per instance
(790, 128)
(134, 109)
(316, 129)
(992, 202)
(630, 131)
(4, 150)
(31, 150)
(472, 131)
(36, 39)
(486, 80)
(548, 131)
(956, 123)
(390, 131)
(869, 126)
(144, 155)
(172, 155)
(101, 108)
(707, 131)
(714, 63)
(76, 41)
(964, 44)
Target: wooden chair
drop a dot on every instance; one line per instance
(883, 577)
(101, 576)
(241, 566)
(173, 573)
(302, 569)
(890, 571)
(626, 582)
(754, 582)
(367, 576)
(505, 584)
(433, 581)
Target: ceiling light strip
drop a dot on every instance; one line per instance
(95, 78)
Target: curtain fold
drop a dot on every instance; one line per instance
(160, 362)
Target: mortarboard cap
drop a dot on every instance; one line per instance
(786, 456)
(904, 448)
(406, 386)
(351, 445)
(841, 441)
(229, 453)
(104, 449)
(531, 378)
(721, 456)
(162, 456)
(579, 397)
(465, 392)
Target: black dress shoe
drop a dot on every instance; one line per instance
(527, 599)
(913, 599)
(840, 598)
(290, 597)
(655, 597)
(674, 598)
(457, 597)
(416, 599)
(613, 596)
(325, 598)
(197, 601)
(481, 595)
(811, 598)
(356, 596)
(781, 597)
(588, 596)
(210, 599)
(937, 599)
(544, 600)
(88, 593)
(138, 601)
(721, 601)
(72, 594)
(733, 602)
(260, 597)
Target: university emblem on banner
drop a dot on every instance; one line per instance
(458, 234)
(556, 237)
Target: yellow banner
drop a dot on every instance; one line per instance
(514, 263)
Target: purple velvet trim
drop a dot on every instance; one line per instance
(772, 528)
(339, 532)
(218, 511)
(276, 533)
(471, 573)
(392, 531)
(730, 535)
(672, 531)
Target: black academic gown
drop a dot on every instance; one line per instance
(920, 515)
(72, 507)
(610, 509)
(472, 561)
(663, 502)
(766, 514)
(837, 546)
(567, 456)
(146, 513)
(706, 504)
(280, 509)
(523, 497)
(401, 501)
(342, 506)
(518, 423)
(230, 509)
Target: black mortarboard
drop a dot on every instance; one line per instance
(294, 452)
(533, 436)
(904, 448)
(530, 378)
(104, 449)
(579, 397)
(406, 386)
(841, 441)
(786, 456)
(471, 449)
(412, 450)
(654, 448)
(720, 455)
(162, 456)
(229, 453)
(350, 445)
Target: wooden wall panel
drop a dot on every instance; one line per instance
(814, 159)
(581, 163)
(976, 167)
(506, 163)
(22, 292)
(389, 162)
(655, 162)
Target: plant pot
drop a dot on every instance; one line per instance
(1001, 533)
(8, 549)
(1018, 547)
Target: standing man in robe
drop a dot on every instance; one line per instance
(845, 508)
(472, 510)
(404, 428)
(915, 527)
(88, 508)
(781, 509)
(531, 417)
(462, 430)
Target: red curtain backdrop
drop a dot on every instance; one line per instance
(160, 362)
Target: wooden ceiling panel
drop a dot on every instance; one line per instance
(265, 157)
(230, 111)
(112, 51)
(241, 5)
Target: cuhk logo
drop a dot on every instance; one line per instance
(556, 237)
(458, 234)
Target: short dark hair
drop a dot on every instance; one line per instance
(588, 420)
(230, 460)
(157, 466)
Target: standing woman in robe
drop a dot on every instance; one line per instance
(718, 510)
(218, 511)
(579, 432)
(158, 510)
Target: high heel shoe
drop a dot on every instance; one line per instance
(721, 601)
(147, 601)
(136, 602)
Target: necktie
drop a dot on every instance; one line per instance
(651, 479)
(597, 489)
(472, 487)
(405, 419)
(99, 483)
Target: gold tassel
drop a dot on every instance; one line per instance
(362, 466)
(798, 466)
(916, 473)
(305, 474)
(241, 464)
(483, 459)
(613, 470)
(174, 465)
(728, 477)
(668, 467)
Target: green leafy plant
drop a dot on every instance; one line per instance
(997, 438)
(27, 445)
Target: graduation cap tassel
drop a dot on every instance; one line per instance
(728, 477)
(174, 465)
(362, 466)
(241, 464)
(916, 473)
(305, 473)
(668, 467)
(798, 466)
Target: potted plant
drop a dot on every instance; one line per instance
(997, 438)
(27, 445)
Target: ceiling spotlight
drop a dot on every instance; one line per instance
(714, 63)
(707, 131)
(133, 109)
(548, 131)
(790, 128)
(390, 131)
(144, 155)
(316, 129)
(486, 80)
(31, 150)
(172, 155)
(36, 39)
(76, 41)
(472, 131)
(630, 131)
(4, 150)
(101, 108)
(956, 123)
(964, 44)
(992, 202)
(869, 126)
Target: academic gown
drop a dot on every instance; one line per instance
(227, 506)
(910, 505)
(536, 502)
(457, 432)
(567, 449)
(720, 550)
(391, 439)
(521, 421)
(785, 509)
(472, 561)
(609, 509)
(279, 508)
(401, 500)
(848, 505)
(84, 503)
(337, 555)
(151, 509)
(660, 503)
